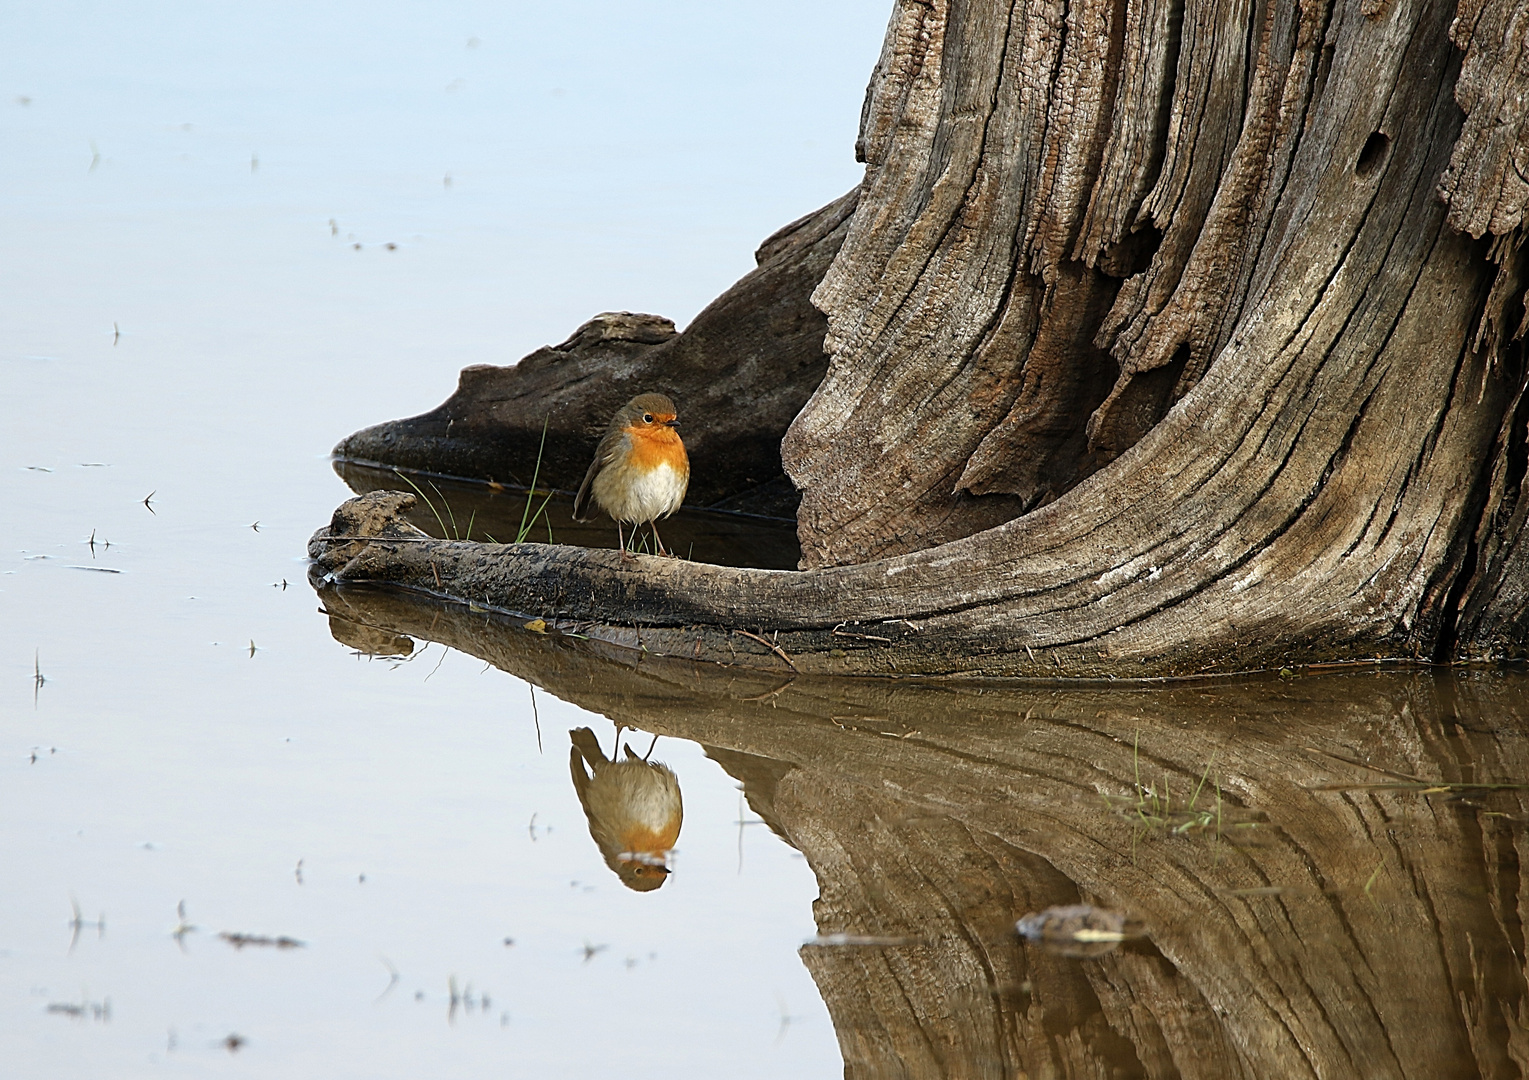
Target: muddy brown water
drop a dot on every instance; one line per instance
(358, 788)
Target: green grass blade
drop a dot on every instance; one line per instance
(526, 521)
(422, 495)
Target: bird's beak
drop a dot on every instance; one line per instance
(672, 423)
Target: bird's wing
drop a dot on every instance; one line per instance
(586, 744)
(605, 453)
(580, 777)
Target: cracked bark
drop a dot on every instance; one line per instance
(1164, 339)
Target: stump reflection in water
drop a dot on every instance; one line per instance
(1342, 897)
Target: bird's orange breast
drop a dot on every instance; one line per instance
(639, 837)
(653, 447)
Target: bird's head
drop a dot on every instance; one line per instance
(648, 413)
(642, 871)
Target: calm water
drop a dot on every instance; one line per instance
(193, 737)
(179, 316)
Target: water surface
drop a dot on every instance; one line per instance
(199, 299)
(231, 238)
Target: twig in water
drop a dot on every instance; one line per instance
(1364, 765)
(240, 940)
(767, 643)
(148, 505)
(99, 1010)
(536, 716)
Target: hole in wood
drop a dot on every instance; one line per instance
(1133, 254)
(1372, 153)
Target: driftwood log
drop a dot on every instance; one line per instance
(1164, 338)
(1348, 903)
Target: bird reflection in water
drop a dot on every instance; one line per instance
(633, 806)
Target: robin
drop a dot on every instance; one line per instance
(640, 471)
(633, 807)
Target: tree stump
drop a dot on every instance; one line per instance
(1163, 339)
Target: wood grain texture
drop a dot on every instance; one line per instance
(1487, 182)
(1010, 171)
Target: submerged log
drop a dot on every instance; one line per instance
(1164, 340)
(1329, 869)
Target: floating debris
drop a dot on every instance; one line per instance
(94, 1010)
(182, 926)
(1079, 929)
(239, 941)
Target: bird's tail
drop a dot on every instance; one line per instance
(582, 508)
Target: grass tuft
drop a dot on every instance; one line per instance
(446, 519)
(1154, 813)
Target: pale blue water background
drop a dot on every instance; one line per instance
(173, 169)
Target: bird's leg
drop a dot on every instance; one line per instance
(651, 745)
(656, 541)
(625, 554)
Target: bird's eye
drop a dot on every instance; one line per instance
(647, 418)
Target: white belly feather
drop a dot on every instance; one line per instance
(639, 497)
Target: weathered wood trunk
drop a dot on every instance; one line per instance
(1165, 338)
(1348, 903)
